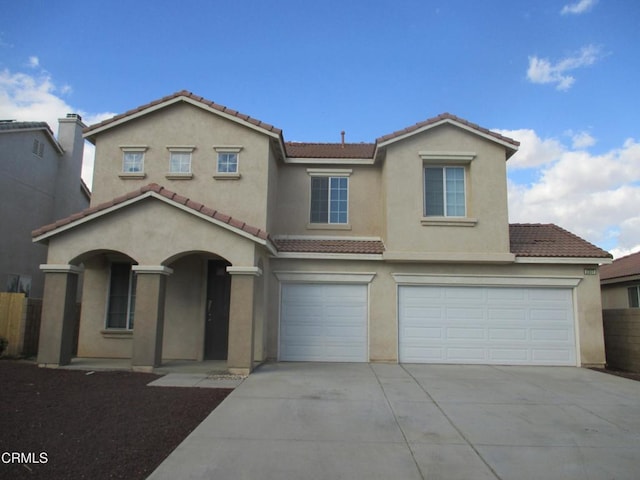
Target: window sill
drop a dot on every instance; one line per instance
(328, 226)
(179, 176)
(448, 222)
(132, 175)
(227, 176)
(117, 333)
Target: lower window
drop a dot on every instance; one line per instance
(122, 297)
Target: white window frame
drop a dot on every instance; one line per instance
(180, 150)
(445, 205)
(446, 159)
(329, 173)
(222, 150)
(130, 150)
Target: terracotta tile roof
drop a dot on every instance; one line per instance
(329, 150)
(154, 187)
(330, 246)
(447, 116)
(622, 267)
(187, 94)
(549, 240)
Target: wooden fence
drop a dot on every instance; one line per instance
(20, 324)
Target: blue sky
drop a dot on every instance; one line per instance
(560, 76)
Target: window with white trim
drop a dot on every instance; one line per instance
(122, 297)
(634, 296)
(329, 199)
(444, 191)
(227, 162)
(180, 159)
(133, 161)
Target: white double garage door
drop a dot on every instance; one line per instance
(436, 324)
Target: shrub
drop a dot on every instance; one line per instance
(3, 345)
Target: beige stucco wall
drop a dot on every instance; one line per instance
(187, 125)
(294, 199)
(616, 295)
(150, 232)
(486, 195)
(383, 323)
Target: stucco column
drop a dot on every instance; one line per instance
(58, 315)
(241, 319)
(148, 321)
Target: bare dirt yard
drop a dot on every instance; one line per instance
(68, 424)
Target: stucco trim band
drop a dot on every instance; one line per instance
(255, 271)
(485, 280)
(325, 277)
(60, 268)
(568, 260)
(152, 269)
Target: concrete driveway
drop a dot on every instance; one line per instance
(361, 421)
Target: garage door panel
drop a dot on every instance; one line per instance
(508, 334)
(505, 325)
(324, 322)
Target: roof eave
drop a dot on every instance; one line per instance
(91, 132)
(511, 148)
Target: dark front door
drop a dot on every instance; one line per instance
(216, 343)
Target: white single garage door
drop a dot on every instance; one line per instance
(486, 325)
(323, 323)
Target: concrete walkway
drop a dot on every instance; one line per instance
(360, 421)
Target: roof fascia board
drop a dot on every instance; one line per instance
(452, 122)
(168, 201)
(171, 101)
(566, 260)
(621, 279)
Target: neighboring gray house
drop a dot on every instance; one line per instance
(39, 183)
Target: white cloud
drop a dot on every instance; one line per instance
(34, 62)
(582, 6)
(594, 196)
(581, 140)
(534, 151)
(542, 71)
(25, 97)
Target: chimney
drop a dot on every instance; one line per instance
(70, 166)
(342, 135)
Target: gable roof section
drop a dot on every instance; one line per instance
(628, 266)
(183, 96)
(161, 193)
(549, 240)
(510, 144)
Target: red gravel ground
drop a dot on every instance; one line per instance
(104, 425)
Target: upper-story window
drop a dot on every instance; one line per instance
(329, 197)
(634, 296)
(444, 192)
(180, 162)
(133, 161)
(445, 176)
(227, 162)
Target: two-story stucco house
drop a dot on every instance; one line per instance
(210, 237)
(39, 183)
